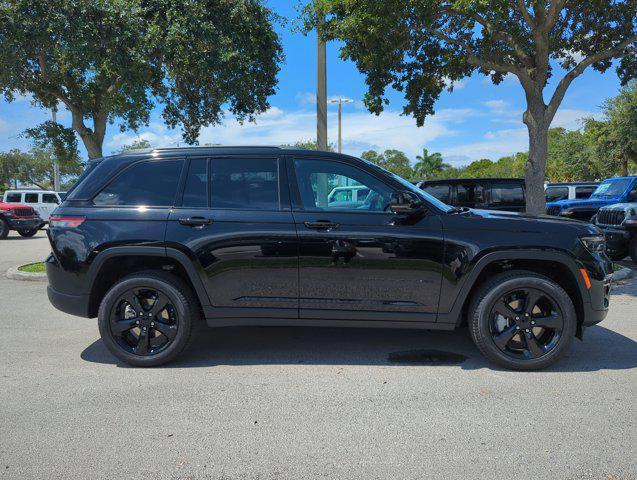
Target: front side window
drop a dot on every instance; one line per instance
(14, 197)
(553, 194)
(584, 192)
(30, 198)
(507, 194)
(149, 184)
(49, 198)
(244, 183)
(317, 180)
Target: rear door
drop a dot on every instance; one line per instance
(235, 222)
(507, 196)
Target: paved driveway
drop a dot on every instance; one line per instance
(266, 403)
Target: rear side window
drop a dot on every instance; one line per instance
(14, 198)
(584, 192)
(151, 184)
(49, 198)
(507, 194)
(244, 183)
(441, 192)
(553, 194)
(196, 189)
(30, 198)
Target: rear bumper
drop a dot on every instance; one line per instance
(72, 304)
(25, 223)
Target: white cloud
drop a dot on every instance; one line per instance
(496, 104)
(361, 130)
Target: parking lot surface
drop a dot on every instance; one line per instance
(301, 403)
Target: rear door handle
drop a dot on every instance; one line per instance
(321, 225)
(195, 221)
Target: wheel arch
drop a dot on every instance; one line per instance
(114, 263)
(558, 266)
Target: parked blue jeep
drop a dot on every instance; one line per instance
(610, 191)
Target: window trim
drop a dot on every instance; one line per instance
(297, 202)
(131, 165)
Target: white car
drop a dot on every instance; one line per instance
(42, 201)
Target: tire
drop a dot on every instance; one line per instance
(28, 233)
(528, 356)
(632, 247)
(182, 302)
(4, 229)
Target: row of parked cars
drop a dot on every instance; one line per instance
(611, 204)
(27, 210)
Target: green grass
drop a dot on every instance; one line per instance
(33, 267)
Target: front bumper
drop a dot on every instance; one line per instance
(25, 223)
(616, 239)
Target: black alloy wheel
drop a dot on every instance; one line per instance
(28, 233)
(147, 318)
(522, 320)
(144, 322)
(526, 323)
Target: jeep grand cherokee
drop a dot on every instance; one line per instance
(153, 243)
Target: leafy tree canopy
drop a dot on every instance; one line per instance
(393, 160)
(136, 145)
(428, 165)
(109, 60)
(420, 46)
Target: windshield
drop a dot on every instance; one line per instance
(612, 188)
(412, 188)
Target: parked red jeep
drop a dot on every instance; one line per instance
(21, 218)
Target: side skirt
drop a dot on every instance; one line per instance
(295, 322)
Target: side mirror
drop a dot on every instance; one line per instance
(632, 195)
(405, 202)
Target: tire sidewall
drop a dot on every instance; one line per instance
(632, 247)
(180, 304)
(4, 229)
(28, 233)
(551, 289)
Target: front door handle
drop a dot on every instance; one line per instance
(321, 225)
(195, 221)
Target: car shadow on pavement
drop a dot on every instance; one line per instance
(602, 349)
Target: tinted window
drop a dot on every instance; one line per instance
(507, 194)
(441, 192)
(244, 183)
(49, 198)
(152, 184)
(584, 192)
(14, 197)
(318, 178)
(553, 194)
(612, 188)
(30, 198)
(469, 194)
(196, 189)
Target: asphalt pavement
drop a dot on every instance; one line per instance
(305, 403)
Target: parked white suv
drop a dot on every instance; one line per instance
(42, 201)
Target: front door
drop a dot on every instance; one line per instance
(235, 221)
(355, 260)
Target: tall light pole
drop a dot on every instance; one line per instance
(321, 93)
(56, 164)
(340, 102)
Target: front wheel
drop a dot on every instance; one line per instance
(522, 320)
(28, 233)
(4, 229)
(146, 319)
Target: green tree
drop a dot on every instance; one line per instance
(54, 141)
(9, 166)
(311, 145)
(137, 144)
(429, 165)
(616, 137)
(33, 168)
(111, 60)
(393, 160)
(421, 46)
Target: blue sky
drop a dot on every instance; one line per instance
(476, 120)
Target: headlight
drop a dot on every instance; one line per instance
(7, 213)
(594, 243)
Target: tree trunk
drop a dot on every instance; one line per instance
(92, 145)
(535, 167)
(92, 139)
(624, 166)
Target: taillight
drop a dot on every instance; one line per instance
(68, 222)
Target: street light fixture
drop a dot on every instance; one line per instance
(340, 102)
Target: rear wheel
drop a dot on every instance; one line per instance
(146, 319)
(4, 229)
(522, 320)
(28, 233)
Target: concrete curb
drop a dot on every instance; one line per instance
(14, 274)
(622, 274)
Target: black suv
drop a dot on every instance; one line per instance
(153, 243)
(487, 193)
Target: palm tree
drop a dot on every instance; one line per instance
(428, 165)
